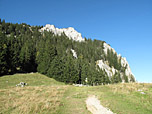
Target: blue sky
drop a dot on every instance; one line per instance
(124, 24)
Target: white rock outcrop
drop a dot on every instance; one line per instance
(70, 32)
(74, 53)
(106, 47)
(110, 70)
(104, 66)
(22, 84)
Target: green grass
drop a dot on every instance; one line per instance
(32, 79)
(47, 96)
(41, 95)
(125, 98)
(73, 102)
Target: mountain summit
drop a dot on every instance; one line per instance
(70, 32)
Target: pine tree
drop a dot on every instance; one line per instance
(119, 77)
(56, 69)
(125, 78)
(45, 57)
(132, 79)
(70, 71)
(107, 80)
(3, 54)
(84, 72)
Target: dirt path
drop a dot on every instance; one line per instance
(94, 106)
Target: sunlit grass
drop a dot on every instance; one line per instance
(44, 95)
(32, 79)
(43, 99)
(41, 95)
(126, 98)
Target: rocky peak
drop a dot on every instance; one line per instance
(70, 32)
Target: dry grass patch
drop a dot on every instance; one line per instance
(42, 99)
(128, 88)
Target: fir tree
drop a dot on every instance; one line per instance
(3, 55)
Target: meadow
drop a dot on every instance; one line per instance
(48, 96)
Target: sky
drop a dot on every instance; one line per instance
(124, 24)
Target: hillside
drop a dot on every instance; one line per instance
(45, 95)
(61, 54)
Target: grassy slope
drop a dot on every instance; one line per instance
(125, 98)
(32, 79)
(45, 95)
(41, 95)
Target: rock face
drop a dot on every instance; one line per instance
(70, 32)
(104, 66)
(106, 47)
(111, 71)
